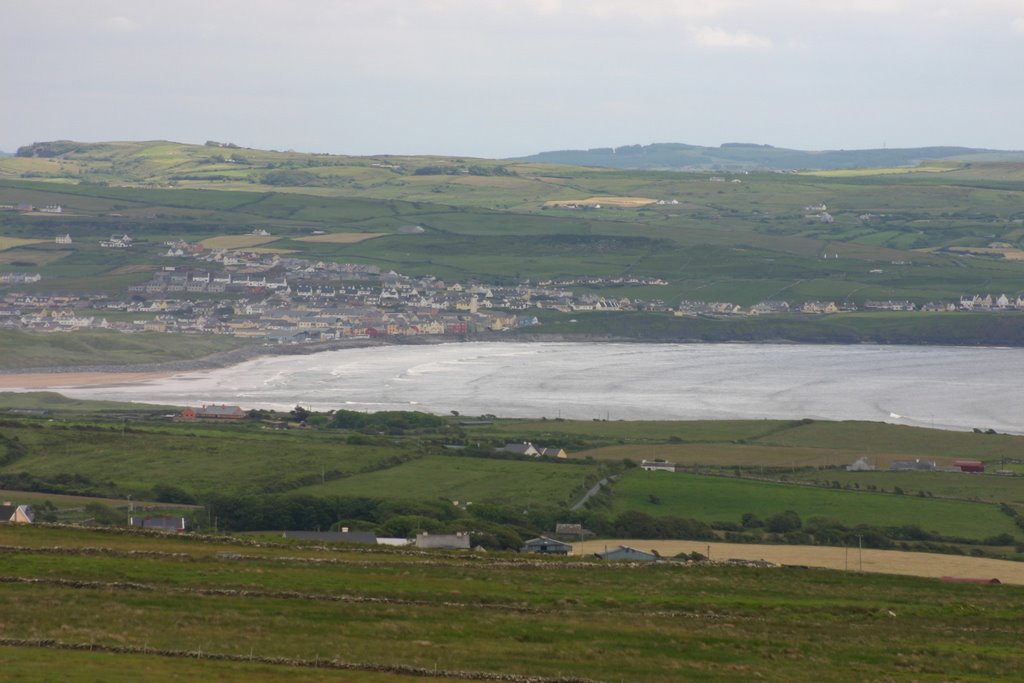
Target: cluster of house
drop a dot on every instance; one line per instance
(976, 302)
(274, 297)
(25, 207)
(527, 449)
(117, 242)
(918, 465)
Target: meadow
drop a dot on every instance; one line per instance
(723, 498)
(162, 608)
(465, 479)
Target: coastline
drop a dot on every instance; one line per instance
(49, 377)
(64, 380)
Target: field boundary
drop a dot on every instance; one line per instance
(317, 663)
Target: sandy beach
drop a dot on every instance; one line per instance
(57, 380)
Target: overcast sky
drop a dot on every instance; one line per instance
(500, 78)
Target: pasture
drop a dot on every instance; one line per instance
(198, 458)
(340, 237)
(463, 479)
(723, 498)
(237, 241)
(183, 606)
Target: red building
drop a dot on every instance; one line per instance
(969, 465)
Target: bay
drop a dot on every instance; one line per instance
(945, 387)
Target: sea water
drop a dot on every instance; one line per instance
(945, 387)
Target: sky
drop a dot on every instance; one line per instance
(504, 78)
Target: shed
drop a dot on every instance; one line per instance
(159, 523)
(543, 544)
(969, 465)
(456, 541)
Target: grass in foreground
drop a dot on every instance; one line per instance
(495, 613)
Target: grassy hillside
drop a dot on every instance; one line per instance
(738, 157)
(391, 616)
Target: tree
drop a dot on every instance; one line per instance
(783, 522)
(299, 414)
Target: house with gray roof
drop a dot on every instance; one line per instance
(625, 553)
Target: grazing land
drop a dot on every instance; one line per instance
(237, 241)
(168, 602)
(723, 498)
(340, 237)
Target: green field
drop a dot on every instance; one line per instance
(200, 459)
(509, 482)
(727, 499)
(169, 612)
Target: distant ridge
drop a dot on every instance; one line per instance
(741, 156)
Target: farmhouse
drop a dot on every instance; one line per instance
(624, 553)
(524, 448)
(546, 545)
(657, 466)
(221, 412)
(16, 514)
(159, 523)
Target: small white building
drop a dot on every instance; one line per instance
(657, 466)
(861, 465)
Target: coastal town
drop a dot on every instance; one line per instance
(274, 298)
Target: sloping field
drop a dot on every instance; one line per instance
(213, 608)
(14, 242)
(467, 479)
(844, 559)
(619, 202)
(341, 237)
(237, 241)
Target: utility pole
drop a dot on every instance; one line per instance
(860, 552)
